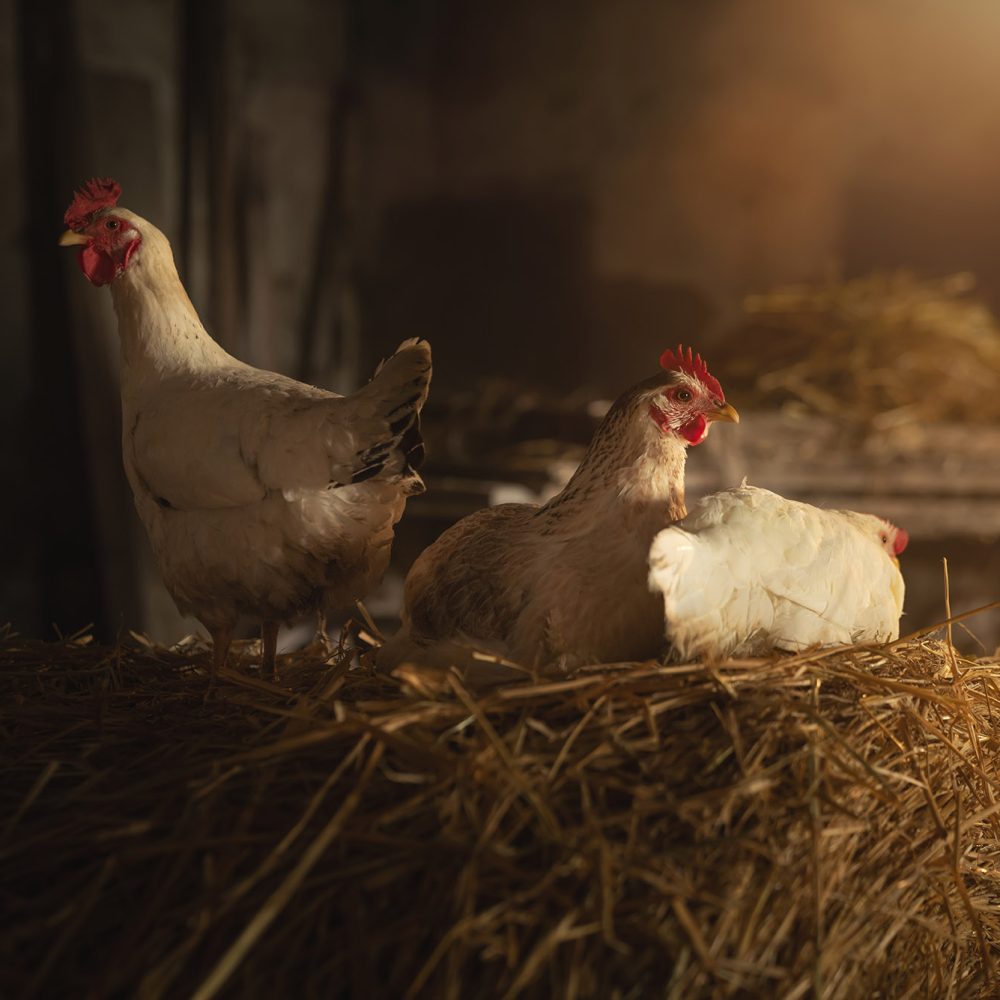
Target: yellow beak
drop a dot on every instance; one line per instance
(71, 239)
(725, 412)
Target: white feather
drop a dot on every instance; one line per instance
(748, 571)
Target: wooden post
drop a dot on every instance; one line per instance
(59, 510)
(208, 256)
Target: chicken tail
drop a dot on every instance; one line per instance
(396, 394)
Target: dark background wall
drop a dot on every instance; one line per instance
(550, 192)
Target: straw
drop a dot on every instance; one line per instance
(822, 825)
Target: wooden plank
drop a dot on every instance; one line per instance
(936, 480)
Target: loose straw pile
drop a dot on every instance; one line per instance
(825, 825)
(876, 351)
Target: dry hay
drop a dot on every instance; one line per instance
(823, 825)
(878, 351)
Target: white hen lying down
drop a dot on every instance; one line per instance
(748, 571)
(262, 496)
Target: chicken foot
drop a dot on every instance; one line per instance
(321, 645)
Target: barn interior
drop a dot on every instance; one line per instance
(551, 194)
(551, 199)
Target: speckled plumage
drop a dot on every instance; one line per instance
(748, 571)
(262, 496)
(565, 581)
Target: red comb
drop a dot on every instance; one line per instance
(694, 366)
(902, 539)
(92, 197)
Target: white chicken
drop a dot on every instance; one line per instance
(748, 571)
(566, 582)
(262, 496)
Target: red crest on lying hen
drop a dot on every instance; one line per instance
(693, 366)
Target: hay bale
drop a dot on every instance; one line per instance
(822, 825)
(876, 352)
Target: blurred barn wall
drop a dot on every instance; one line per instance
(549, 192)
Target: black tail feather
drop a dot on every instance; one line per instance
(402, 451)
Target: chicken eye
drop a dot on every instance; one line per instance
(885, 538)
(111, 224)
(684, 395)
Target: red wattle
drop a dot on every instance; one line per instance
(695, 431)
(97, 267)
(902, 540)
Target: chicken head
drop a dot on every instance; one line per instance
(691, 401)
(890, 537)
(107, 241)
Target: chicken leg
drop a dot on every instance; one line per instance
(222, 636)
(321, 645)
(269, 649)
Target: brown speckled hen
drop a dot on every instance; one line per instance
(566, 581)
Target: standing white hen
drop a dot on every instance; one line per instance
(262, 496)
(748, 571)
